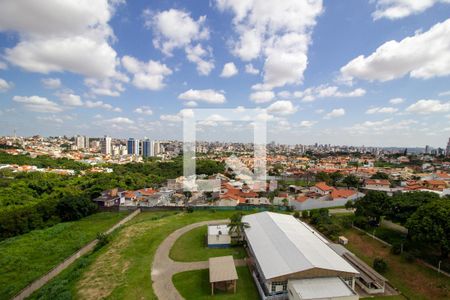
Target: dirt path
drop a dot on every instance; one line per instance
(163, 267)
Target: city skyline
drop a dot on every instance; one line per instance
(324, 74)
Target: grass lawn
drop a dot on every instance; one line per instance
(412, 279)
(27, 257)
(121, 270)
(195, 285)
(191, 246)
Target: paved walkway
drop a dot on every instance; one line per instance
(163, 267)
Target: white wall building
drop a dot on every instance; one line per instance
(106, 145)
(284, 249)
(218, 236)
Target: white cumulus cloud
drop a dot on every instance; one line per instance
(250, 69)
(381, 110)
(282, 107)
(396, 101)
(397, 9)
(262, 96)
(279, 31)
(428, 106)
(57, 36)
(209, 96)
(51, 83)
(337, 112)
(38, 104)
(326, 91)
(4, 85)
(229, 70)
(174, 29)
(102, 105)
(146, 75)
(307, 124)
(145, 110)
(423, 55)
(70, 99)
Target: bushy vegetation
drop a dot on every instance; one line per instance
(27, 257)
(36, 200)
(379, 265)
(424, 214)
(42, 162)
(328, 225)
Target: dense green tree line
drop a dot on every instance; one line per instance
(424, 214)
(36, 200)
(42, 162)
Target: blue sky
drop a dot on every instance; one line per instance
(353, 72)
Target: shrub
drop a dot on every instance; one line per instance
(379, 265)
(296, 215)
(190, 209)
(349, 205)
(346, 221)
(305, 214)
(103, 239)
(396, 249)
(361, 222)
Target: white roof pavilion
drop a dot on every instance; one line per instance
(284, 245)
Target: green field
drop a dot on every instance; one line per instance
(191, 246)
(27, 257)
(194, 285)
(121, 270)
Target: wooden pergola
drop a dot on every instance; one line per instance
(222, 273)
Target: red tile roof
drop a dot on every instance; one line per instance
(323, 186)
(342, 193)
(377, 182)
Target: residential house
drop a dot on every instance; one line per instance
(110, 198)
(322, 188)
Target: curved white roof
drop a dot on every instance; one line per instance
(283, 245)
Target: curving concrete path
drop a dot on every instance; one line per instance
(163, 267)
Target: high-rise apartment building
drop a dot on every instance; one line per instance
(447, 151)
(106, 145)
(155, 148)
(79, 142)
(146, 148)
(133, 146)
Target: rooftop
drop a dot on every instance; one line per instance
(283, 245)
(321, 288)
(218, 229)
(222, 269)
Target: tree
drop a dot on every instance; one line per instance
(403, 205)
(236, 226)
(379, 265)
(322, 176)
(372, 206)
(320, 216)
(431, 224)
(75, 207)
(335, 177)
(351, 181)
(305, 214)
(380, 175)
(349, 205)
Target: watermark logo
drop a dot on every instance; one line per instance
(256, 179)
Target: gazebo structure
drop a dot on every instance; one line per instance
(222, 273)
